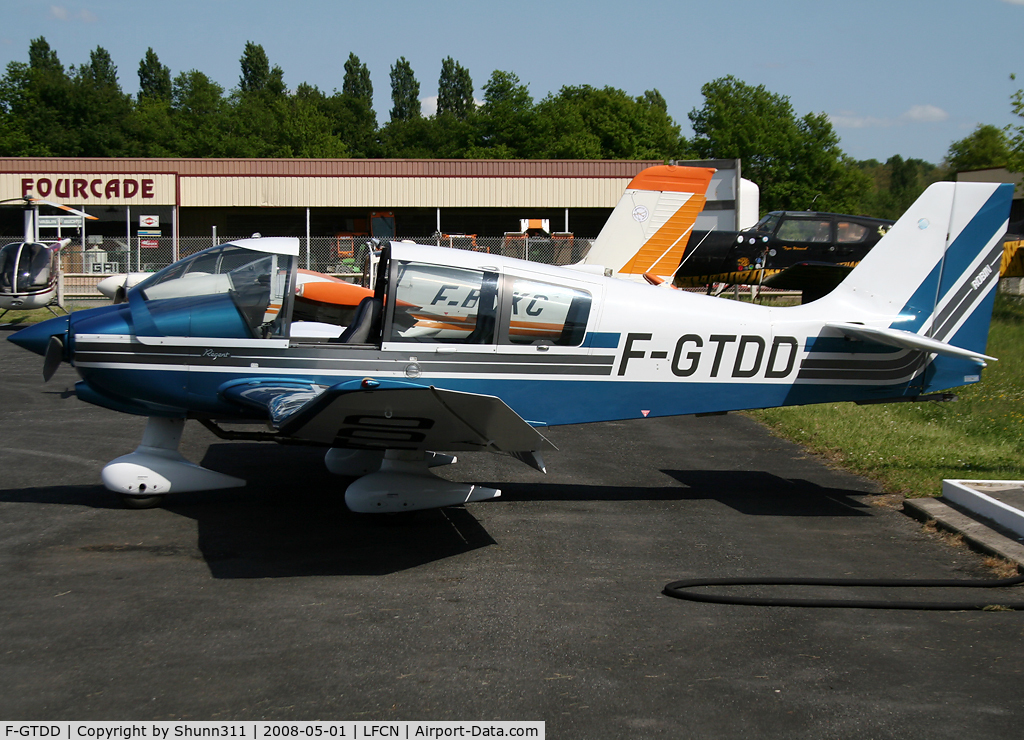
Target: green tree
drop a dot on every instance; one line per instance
(796, 163)
(154, 78)
(199, 115)
(587, 123)
(100, 109)
(356, 82)
(987, 146)
(42, 58)
(307, 132)
(1015, 133)
(257, 74)
(37, 100)
(405, 92)
(506, 121)
(351, 112)
(454, 90)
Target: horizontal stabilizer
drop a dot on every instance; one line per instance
(907, 340)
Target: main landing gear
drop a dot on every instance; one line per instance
(386, 481)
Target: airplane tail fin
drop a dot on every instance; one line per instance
(933, 279)
(651, 224)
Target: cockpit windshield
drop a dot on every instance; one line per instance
(258, 283)
(767, 224)
(25, 267)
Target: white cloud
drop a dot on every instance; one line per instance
(1014, 2)
(914, 114)
(849, 119)
(60, 13)
(925, 114)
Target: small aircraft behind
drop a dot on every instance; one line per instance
(790, 250)
(461, 350)
(30, 270)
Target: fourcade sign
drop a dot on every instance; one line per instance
(106, 189)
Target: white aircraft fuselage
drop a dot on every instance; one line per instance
(469, 351)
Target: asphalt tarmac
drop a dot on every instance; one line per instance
(274, 602)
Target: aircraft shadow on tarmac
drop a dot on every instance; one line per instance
(291, 520)
(259, 533)
(751, 492)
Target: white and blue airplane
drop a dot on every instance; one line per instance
(458, 351)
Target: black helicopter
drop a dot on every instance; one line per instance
(790, 250)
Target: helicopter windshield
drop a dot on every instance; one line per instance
(767, 224)
(257, 282)
(25, 267)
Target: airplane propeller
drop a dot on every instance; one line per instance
(53, 357)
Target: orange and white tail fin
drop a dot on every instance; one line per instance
(651, 224)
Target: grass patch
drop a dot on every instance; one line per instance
(910, 448)
(16, 318)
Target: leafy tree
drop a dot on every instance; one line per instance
(37, 98)
(351, 112)
(894, 184)
(307, 131)
(100, 109)
(1016, 133)
(42, 58)
(987, 146)
(357, 80)
(454, 90)
(405, 92)
(199, 115)
(587, 123)
(154, 78)
(796, 163)
(507, 120)
(257, 75)
(151, 130)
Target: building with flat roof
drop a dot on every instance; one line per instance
(300, 197)
(150, 212)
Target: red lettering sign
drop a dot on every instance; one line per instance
(91, 190)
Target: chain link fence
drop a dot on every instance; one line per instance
(344, 256)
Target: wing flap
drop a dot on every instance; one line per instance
(392, 416)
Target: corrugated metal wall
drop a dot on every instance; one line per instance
(401, 192)
(343, 182)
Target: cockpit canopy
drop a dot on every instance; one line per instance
(27, 267)
(245, 289)
(247, 281)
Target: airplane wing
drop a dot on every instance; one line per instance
(382, 415)
(907, 340)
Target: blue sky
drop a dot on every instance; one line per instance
(904, 77)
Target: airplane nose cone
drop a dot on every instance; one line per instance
(35, 338)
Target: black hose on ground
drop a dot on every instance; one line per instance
(685, 590)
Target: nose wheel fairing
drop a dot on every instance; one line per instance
(156, 467)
